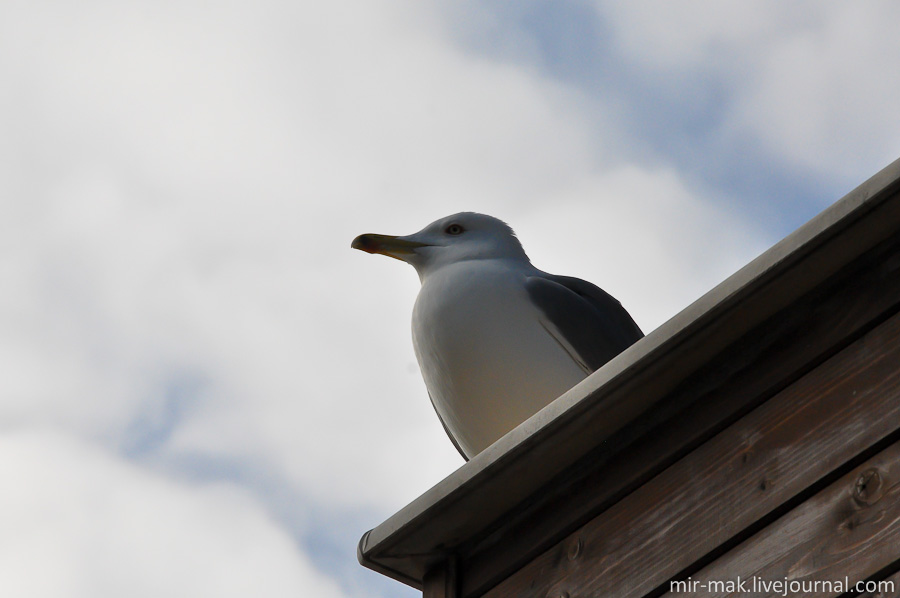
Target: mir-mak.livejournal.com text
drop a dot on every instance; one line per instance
(779, 587)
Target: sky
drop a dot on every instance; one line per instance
(205, 391)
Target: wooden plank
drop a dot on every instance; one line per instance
(750, 372)
(731, 483)
(843, 535)
(441, 580)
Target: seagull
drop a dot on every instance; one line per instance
(497, 339)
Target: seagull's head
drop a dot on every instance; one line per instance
(461, 237)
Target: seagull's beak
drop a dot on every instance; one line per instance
(389, 245)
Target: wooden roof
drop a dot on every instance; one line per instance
(750, 336)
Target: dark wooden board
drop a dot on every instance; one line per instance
(728, 485)
(441, 581)
(764, 362)
(846, 533)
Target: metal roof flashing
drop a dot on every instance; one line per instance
(474, 497)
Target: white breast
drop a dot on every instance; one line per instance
(487, 360)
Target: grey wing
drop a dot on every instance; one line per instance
(588, 319)
(446, 429)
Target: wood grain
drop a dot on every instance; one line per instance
(849, 531)
(729, 484)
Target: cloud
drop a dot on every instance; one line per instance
(822, 97)
(813, 83)
(208, 361)
(78, 522)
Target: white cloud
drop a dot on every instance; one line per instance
(824, 98)
(203, 178)
(813, 82)
(181, 187)
(78, 522)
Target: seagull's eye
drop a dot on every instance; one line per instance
(454, 229)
